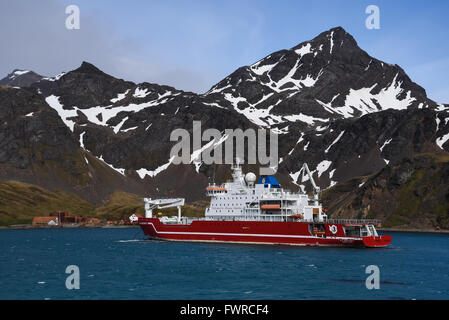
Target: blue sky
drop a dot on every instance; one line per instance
(194, 44)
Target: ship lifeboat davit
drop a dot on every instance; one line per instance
(377, 242)
(270, 207)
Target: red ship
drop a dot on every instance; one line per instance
(242, 211)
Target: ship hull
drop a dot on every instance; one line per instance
(257, 232)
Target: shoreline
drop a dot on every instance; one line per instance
(27, 227)
(444, 231)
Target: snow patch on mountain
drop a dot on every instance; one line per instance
(152, 173)
(53, 101)
(55, 78)
(217, 89)
(305, 49)
(307, 81)
(213, 104)
(323, 166)
(301, 138)
(331, 37)
(140, 93)
(364, 101)
(119, 170)
(304, 118)
(82, 140)
(295, 176)
(120, 96)
(385, 143)
(109, 112)
(335, 141)
(264, 117)
(441, 107)
(17, 73)
(195, 157)
(442, 140)
(129, 129)
(120, 125)
(262, 69)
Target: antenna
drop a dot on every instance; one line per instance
(238, 161)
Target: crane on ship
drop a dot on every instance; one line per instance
(151, 204)
(316, 190)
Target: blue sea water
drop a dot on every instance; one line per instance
(121, 264)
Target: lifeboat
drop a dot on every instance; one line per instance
(215, 189)
(270, 207)
(296, 216)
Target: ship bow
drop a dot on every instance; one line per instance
(377, 242)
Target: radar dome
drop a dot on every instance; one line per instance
(250, 178)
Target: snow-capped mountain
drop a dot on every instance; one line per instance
(326, 78)
(344, 112)
(20, 78)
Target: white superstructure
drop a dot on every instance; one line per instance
(243, 199)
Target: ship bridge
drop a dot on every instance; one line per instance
(243, 199)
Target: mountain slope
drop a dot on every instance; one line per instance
(37, 147)
(347, 148)
(20, 202)
(412, 194)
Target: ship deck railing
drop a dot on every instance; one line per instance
(353, 221)
(280, 218)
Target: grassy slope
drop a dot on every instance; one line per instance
(121, 205)
(20, 202)
(423, 198)
(409, 195)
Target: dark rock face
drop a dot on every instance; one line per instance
(20, 78)
(37, 147)
(346, 114)
(366, 144)
(412, 193)
(88, 87)
(30, 131)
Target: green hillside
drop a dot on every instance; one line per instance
(20, 202)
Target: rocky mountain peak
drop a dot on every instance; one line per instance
(20, 78)
(326, 78)
(331, 41)
(88, 86)
(87, 67)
